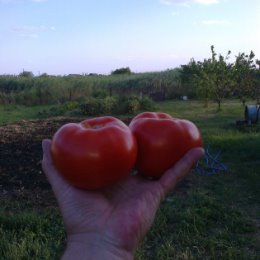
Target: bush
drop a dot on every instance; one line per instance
(133, 104)
(97, 107)
(109, 105)
(59, 110)
(146, 104)
(70, 105)
(91, 107)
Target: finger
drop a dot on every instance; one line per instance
(55, 179)
(172, 176)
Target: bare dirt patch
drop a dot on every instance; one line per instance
(21, 176)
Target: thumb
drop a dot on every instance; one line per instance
(172, 176)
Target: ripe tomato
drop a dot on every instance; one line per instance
(94, 153)
(162, 140)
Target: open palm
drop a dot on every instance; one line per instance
(119, 215)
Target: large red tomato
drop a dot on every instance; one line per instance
(94, 153)
(162, 140)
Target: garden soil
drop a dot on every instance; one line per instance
(21, 175)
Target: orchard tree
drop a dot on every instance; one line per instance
(204, 80)
(222, 76)
(257, 82)
(198, 74)
(244, 71)
(187, 73)
(190, 75)
(213, 78)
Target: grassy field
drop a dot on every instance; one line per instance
(14, 113)
(217, 217)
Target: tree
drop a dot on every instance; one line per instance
(212, 77)
(187, 73)
(121, 71)
(204, 80)
(201, 75)
(257, 82)
(26, 74)
(222, 76)
(244, 70)
(44, 75)
(190, 76)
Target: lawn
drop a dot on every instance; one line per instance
(210, 217)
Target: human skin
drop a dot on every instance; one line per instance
(110, 223)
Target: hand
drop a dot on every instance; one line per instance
(110, 223)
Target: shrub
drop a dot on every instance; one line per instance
(70, 105)
(91, 107)
(133, 105)
(109, 105)
(146, 104)
(59, 110)
(96, 107)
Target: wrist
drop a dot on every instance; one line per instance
(94, 247)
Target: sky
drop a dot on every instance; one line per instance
(61, 37)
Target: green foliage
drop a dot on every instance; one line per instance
(116, 105)
(109, 105)
(213, 77)
(133, 105)
(60, 110)
(52, 90)
(99, 93)
(146, 104)
(26, 74)
(246, 77)
(216, 78)
(121, 71)
(91, 107)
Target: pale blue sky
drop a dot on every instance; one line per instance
(98, 36)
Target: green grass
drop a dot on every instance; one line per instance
(14, 113)
(218, 218)
(31, 235)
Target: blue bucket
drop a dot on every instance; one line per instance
(252, 114)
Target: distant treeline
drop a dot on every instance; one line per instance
(214, 78)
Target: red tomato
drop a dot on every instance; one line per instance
(162, 140)
(94, 153)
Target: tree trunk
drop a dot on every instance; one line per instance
(70, 94)
(206, 103)
(219, 104)
(244, 102)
